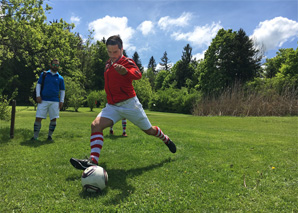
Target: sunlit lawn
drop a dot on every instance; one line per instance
(244, 164)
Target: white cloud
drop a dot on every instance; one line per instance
(201, 36)
(75, 19)
(166, 23)
(108, 26)
(146, 27)
(275, 32)
(199, 56)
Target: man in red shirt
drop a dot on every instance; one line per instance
(120, 71)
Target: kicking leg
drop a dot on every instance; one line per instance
(156, 131)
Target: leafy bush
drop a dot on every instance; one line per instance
(173, 100)
(4, 108)
(143, 90)
(102, 98)
(92, 99)
(74, 94)
(4, 105)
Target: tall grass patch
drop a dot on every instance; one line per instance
(243, 101)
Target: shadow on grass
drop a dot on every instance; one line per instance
(4, 135)
(26, 134)
(118, 181)
(36, 143)
(115, 137)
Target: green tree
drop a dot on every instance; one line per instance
(273, 65)
(289, 69)
(159, 79)
(230, 58)
(165, 62)
(184, 69)
(138, 62)
(151, 76)
(152, 65)
(29, 43)
(98, 61)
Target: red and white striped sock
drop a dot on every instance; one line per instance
(161, 135)
(96, 143)
(124, 125)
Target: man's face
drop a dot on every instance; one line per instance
(114, 52)
(55, 66)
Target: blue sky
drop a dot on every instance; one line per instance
(152, 27)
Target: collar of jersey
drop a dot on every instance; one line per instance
(116, 60)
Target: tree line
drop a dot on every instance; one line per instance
(28, 41)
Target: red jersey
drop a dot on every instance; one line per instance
(119, 87)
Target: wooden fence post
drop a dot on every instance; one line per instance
(13, 116)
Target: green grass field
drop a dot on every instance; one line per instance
(222, 164)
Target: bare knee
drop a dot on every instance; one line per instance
(99, 124)
(95, 126)
(38, 119)
(150, 131)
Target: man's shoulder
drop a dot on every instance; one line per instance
(59, 75)
(127, 60)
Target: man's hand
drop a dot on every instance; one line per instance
(60, 105)
(38, 100)
(120, 69)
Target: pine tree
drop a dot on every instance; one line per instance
(138, 62)
(165, 62)
(152, 64)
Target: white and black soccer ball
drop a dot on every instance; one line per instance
(94, 179)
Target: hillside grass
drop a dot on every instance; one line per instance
(239, 164)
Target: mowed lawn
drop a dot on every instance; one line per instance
(222, 164)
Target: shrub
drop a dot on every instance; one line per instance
(173, 100)
(102, 98)
(4, 105)
(74, 94)
(143, 90)
(92, 99)
(4, 108)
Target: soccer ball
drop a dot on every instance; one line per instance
(94, 179)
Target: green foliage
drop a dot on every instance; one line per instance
(165, 62)
(273, 65)
(4, 108)
(160, 77)
(173, 100)
(230, 58)
(74, 94)
(150, 74)
(29, 42)
(92, 99)
(102, 98)
(4, 105)
(138, 62)
(152, 65)
(95, 75)
(143, 90)
(289, 69)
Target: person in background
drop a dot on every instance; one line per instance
(48, 99)
(123, 127)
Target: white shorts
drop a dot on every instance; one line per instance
(131, 109)
(46, 107)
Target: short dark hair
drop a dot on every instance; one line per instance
(115, 40)
(54, 59)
